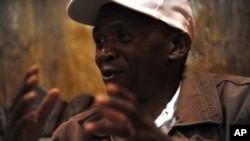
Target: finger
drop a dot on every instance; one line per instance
(118, 111)
(116, 91)
(115, 128)
(118, 122)
(32, 70)
(30, 81)
(28, 86)
(32, 121)
(47, 105)
(110, 112)
(131, 113)
(23, 105)
(128, 108)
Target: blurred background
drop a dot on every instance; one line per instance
(39, 32)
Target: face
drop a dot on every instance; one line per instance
(132, 50)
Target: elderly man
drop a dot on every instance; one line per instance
(141, 51)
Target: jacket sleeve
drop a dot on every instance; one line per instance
(69, 131)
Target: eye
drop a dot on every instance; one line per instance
(99, 40)
(124, 37)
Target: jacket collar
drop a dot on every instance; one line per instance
(198, 101)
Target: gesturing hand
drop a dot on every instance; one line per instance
(125, 117)
(23, 122)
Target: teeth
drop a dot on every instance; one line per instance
(108, 74)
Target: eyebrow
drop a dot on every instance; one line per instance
(115, 25)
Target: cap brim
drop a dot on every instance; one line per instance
(84, 11)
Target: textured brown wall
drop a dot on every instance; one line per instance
(222, 36)
(39, 31)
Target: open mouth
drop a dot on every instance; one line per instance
(109, 74)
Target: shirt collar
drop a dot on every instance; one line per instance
(167, 119)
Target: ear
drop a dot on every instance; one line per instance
(181, 45)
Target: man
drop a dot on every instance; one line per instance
(141, 50)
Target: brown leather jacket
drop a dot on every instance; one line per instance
(207, 106)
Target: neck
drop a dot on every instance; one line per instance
(155, 104)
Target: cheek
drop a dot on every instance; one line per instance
(152, 56)
(146, 56)
(151, 61)
(97, 60)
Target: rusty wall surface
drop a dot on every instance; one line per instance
(39, 31)
(222, 36)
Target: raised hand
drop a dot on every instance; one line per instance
(25, 123)
(125, 118)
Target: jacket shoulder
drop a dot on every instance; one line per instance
(219, 79)
(234, 93)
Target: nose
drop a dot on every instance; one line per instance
(108, 51)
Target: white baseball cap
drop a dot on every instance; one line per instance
(175, 13)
